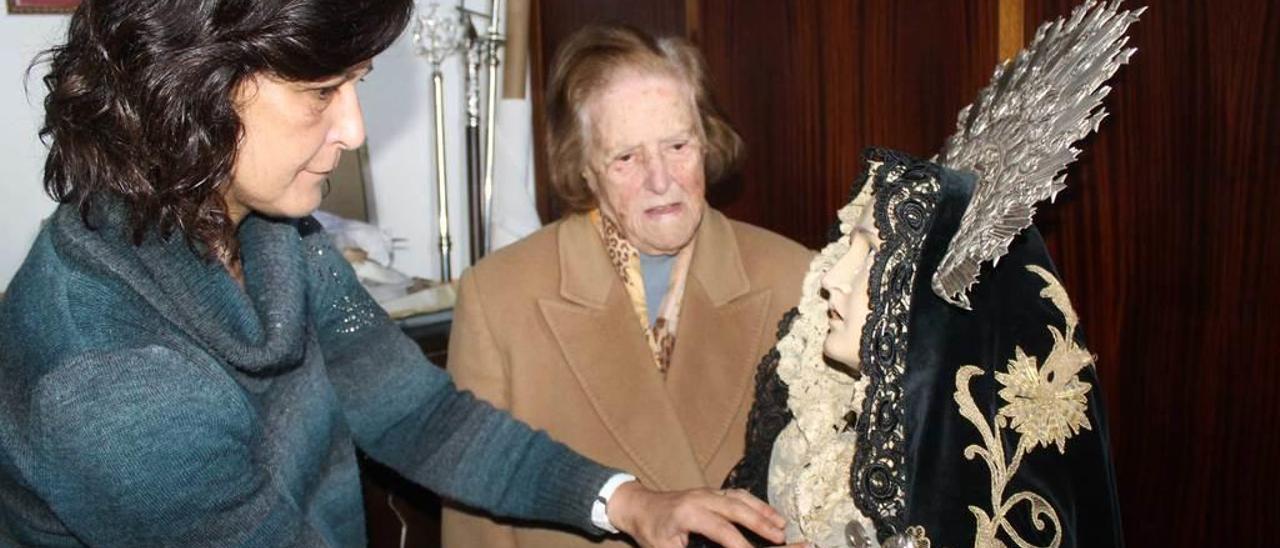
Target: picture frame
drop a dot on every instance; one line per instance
(42, 6)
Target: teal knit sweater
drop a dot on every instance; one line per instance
(146, 399)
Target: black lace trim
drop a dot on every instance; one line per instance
(906, 196)
(769, 415)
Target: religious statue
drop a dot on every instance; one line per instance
(933, 387)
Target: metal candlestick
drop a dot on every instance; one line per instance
(493, 41)
(437, 36)
(475, 204)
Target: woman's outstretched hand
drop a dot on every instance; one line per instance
(664, 519)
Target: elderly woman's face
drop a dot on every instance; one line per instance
(846, 284)
(294, 134)
(645, 160)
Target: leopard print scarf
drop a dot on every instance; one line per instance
(661, 336)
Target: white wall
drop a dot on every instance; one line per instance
(397, 100)
(398, 110)
(23, 203)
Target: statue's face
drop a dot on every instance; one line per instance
(846, 289)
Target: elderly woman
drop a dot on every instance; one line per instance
(630, 329)
(185, 360)
(937, 426)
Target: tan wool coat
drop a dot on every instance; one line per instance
(545, 329)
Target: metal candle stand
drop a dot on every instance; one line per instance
(440, 33)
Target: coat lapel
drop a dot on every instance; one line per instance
(721, 322)
(601, 341)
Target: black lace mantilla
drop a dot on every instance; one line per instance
(906, 196)
(769, 415)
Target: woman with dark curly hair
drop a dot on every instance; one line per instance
(185, 360)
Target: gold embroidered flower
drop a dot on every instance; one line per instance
(1047, 404)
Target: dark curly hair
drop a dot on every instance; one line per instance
(140, 103)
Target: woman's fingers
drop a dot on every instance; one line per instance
(712, 524)
(758, 505)
(739, 508)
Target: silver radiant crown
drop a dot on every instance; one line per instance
(1018, 136)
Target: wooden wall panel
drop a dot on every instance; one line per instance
(560, 18)
(1164, 242)
(810, 84)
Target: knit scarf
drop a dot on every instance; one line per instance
(661, 336)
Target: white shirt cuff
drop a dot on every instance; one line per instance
(599, 513)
